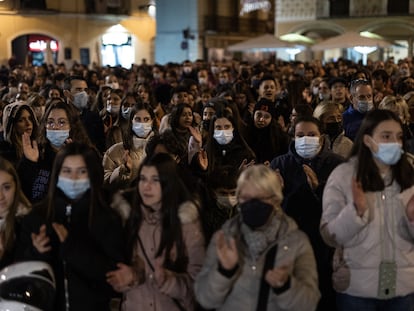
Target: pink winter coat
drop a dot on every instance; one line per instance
(178, 286)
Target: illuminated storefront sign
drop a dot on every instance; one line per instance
(39, 44)
(254, 5)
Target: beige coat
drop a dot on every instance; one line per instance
(115, 171)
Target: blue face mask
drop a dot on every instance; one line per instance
(388, 153)
(73, 188)
(57, 137)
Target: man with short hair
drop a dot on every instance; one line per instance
(76, 94)
(362, 101)
(339, 92)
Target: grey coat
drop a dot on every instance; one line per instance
(241, 291)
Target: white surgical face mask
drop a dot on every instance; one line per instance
(364, 106)
(113, 85)
(73, 188)
(141, 129)
(226, 201)
(307, 146)
(57, 137)
(388, 153)
(80, 100)
(114, 110)
(126, 112)
(324, 96)
(223, 137)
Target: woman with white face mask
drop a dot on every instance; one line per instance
(225, 146)
(368, 216)
(75, 231)
(112, 117)
(122, 160)
(60, 125)
(305, 169)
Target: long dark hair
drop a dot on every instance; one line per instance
(368, 173)
(77, 131)
(129, 133)
(212, 146)
(95, 172)
(173, 194)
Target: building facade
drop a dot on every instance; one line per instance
(106, 32)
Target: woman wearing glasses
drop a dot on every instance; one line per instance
(59, 126)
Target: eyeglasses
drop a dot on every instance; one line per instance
(61, 123)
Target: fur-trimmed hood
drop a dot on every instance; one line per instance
(187, 212)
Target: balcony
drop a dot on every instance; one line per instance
(235, 25)
(95, 7)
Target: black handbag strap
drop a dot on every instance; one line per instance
(264, 286)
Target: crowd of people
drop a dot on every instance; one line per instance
(212, 186)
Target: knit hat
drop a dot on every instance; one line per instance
(265, 105)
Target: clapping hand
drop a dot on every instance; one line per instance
(311, 176)
(226, 251)
(159, 273)
(410, 209)
(127, 160)
(277, 277)
(41, 241)
(121, 278)
(61, 231)
(196, 134)
(246, 164)
(360, 200)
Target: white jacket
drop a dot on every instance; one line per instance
(362, 240)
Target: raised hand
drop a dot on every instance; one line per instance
(360, 200)
(61, 231)
(41, 241)
(203, 159)
(277, 277)
(226, 251)
(311, 176)
(127, 160)
(195, 133)
(245, 165)
(30, 149)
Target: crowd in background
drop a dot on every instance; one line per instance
(175, 187)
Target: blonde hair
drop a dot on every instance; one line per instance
(322, 110)
(264, 179)
(396, 103)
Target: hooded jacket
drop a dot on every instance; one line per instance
(8, 146)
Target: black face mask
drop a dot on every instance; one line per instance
(333, 129)
(255, 213)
